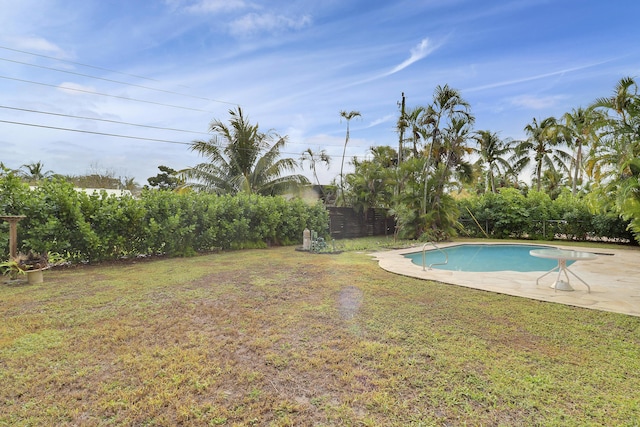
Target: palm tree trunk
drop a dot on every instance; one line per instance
(574, 184)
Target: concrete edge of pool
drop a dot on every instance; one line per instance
(614, 278)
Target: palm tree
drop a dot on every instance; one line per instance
(580, 129)
(543, 141)
(240, 158)
(34, 172)
(413, 119)
(615, 160)
(552, 182)
(449, 122)
(492, 152)
(313, 158)
(622, 100)
(447, 105)
(347, 116)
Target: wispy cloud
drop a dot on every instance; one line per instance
(536, 102)
(386, 119)
(208, 6)
(71, 88)
(422, 50)
(37, 44)
(253, 23)
(535, 77)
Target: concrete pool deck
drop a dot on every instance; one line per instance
(614, 278)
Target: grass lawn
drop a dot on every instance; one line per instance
(277, 337)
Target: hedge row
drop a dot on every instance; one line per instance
(88, 228)
(510, 214)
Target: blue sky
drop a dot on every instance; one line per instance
(292, 66)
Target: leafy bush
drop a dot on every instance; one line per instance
(512, 214)
(99, 227)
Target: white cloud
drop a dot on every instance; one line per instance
(255, 23)
(535, 102)
(386, 119)
(74, 88)
(423, 49)
(216, 6)
(536, 77)
(37, 44)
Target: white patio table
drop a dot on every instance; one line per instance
(562, 256)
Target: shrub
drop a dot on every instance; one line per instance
(99, 227)
(535, 216)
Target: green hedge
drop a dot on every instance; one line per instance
(510, 214)
(88, 228)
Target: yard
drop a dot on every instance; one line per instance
(276, 337)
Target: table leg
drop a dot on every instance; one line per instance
(576, 276)
(561, 284)
(546, 274)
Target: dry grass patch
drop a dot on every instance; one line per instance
(277, 337)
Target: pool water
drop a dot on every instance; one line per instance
(484, 258)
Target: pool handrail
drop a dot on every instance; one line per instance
(424, 262)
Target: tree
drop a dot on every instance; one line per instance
(580, 130)
(493, 153)
(543, 143)
(167, 179)
(447, 105)
(413, 120)
(371, 183)
(625, 95)
(449, 121)
(347, 116)
(313, 159)
(241, 158)
(614, 161)
(423, 205)
(34, 172)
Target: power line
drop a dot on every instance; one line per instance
(95, 133)
(115, 81)
(133, 124)
(104, 94)
(101, 120)
(122, 136)
(79, 63)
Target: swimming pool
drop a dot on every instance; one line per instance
(484, 258)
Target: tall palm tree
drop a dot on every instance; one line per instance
(347, 116)
(446, 106)
(241, 158)
(448, 121)
(493, 153)
(543, 143)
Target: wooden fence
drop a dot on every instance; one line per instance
(346, 223)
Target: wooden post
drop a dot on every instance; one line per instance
(13, 233)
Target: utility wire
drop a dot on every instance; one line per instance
(124, 123)
(131, 124)
(78, 63)
(94, 133)
(114, 81)
(100, 120)
(104, 94)
(126, 136)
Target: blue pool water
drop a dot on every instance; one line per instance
(483, 258)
